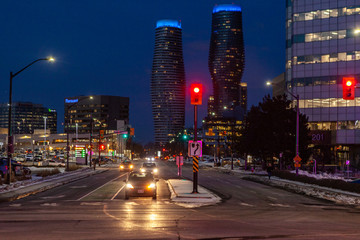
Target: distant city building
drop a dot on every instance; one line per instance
(105, 111)
(27, 117)
(168, 82)
(278, 85)
(322, 47)
(226, 57)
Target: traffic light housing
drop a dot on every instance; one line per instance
(196, 93)
(349, 88)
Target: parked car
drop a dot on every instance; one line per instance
(140, 184)
(29, 157)
(16, 167)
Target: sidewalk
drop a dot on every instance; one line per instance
(181, 194)
(25, 188)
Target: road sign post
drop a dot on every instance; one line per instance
(196, 99)
(297, 160)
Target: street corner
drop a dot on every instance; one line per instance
(181, 194)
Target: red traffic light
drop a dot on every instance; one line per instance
(196, 94)
(349, 88)
(164, 149)
(102, 147)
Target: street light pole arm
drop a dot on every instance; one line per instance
(40, 59)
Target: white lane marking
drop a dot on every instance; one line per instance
(100, 187)
(75, 187)
(92, 203)
(117, 192)
(15, 205)
(246, 204)
(272, 198)
(280, 205)
(52, 197)
(49, 204)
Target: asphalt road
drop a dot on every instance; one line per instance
(94, 208)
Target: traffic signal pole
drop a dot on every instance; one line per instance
(195, 158)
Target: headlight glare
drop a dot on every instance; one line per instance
(152, 185)
(155, 170)
(128, 185)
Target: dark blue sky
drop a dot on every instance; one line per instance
(106, 47)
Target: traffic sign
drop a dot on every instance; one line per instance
(297, 158)
(195, 148)
(297, 165)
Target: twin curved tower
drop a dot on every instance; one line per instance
(168, 82)
(226, 65)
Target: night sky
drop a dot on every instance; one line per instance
(106, 47)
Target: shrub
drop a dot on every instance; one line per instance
(74, 167)
(48, 172)
(330, 183)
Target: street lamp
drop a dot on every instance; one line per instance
(45, 135)
(268, 83)
(10, 137)
(67, 131)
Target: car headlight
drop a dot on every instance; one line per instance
(131, 166)
(152, 185)
(155, 170)
(142, 170)
(121, 166)
(128, 185)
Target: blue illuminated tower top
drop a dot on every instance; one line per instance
(168, 23)
(227, 7)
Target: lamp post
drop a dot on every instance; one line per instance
(67, 130)
(297, 120)
(10, 137)
(45, 136)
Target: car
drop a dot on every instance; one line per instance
(126, 166)
(149, 167)
(38, 158)
(16, 167)
(29, 157)
(140, 184)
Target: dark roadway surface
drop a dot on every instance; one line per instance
(94, 208)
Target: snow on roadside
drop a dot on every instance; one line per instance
(321, 175)
(181, 194)
(35, 180)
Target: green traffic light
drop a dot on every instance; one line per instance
(125, 136)
(185, 137)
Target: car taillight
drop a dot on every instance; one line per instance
(142, 170)
(152, 185)
(121, 166)
(131, 166)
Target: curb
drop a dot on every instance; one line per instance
(13, 195)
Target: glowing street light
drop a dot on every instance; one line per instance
(10, 137)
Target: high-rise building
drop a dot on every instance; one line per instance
(227, 57)
(27, 117)
(168, 82)
(105, 112)
(323, 47)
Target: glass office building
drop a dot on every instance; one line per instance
(168, 82)
(226, 57)
(27, 117)
(94, 113)
(322, 47)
